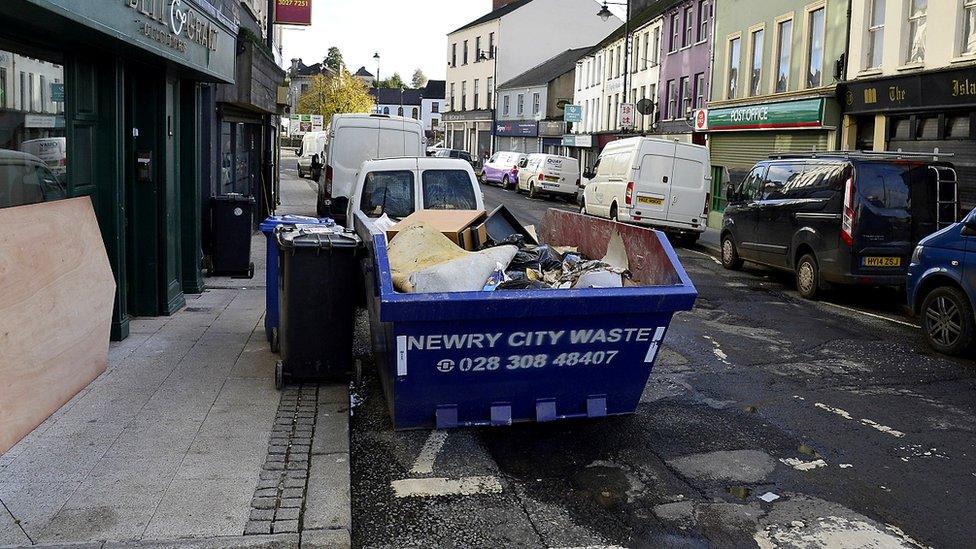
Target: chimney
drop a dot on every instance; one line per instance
(294, 65)
(495, 4)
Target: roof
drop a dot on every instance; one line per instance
(654, 9)
(393, 96)
(548, 70)
(495, 14)
(363, 72)
(310, 70)
(435, 89)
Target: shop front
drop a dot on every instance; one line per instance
(469, 131)
(107, 98)
(742, 135)
(922, 113)
(551, 136)
(580, 146)
(517, 136)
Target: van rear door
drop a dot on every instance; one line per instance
(897, 208)
(690, 180)
(652, 182)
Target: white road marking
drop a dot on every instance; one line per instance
(872, 315)
(883, 428)
(801, 465)
(592, 547)
(435, 487)
(425, 461)
(842, 413)
(718, 352)
(845, 466)
(709, 256)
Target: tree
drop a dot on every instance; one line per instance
(335, 95)
(333, 60)
(394, 82)
(419, 79)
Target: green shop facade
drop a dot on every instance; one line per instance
(742, 135)
(110, 94)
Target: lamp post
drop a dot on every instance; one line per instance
(376, 56)
(605, 14)
(491, 93)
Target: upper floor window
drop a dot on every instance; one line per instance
(464, 96)
(784, 53)
(686, 98)
(675, 32)
(435, 107)
(755, 77)
(506, 104)
(476, 94)
(917, 11)
(536, 103)
(636, 53)
(491, 45)
(656, 48)
(733, 76)
(454, 55)
(703, 20)
(672, 99)
(490, 91)
(452, 96)
(619, 62)
(815, 48)
(520, 105)
(700, 90)
(477, 48)
(647, 51)
(875, 42)
(464, 54)
(689, 26)
(969, 30)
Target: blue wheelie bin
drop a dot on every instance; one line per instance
(271, 316)
(493, 358)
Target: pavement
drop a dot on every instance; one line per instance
(768, 421)
(184, 441)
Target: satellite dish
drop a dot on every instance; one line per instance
(645, 107)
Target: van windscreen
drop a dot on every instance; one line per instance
(448, 190)
(388, 192)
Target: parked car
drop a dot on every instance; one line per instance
(502, 168)
(398, 187)
(355, 138)
(842, 218)
(310, 155)
(26, 179)
(653, 182)
(454, 153)
(549, 174)
(941, 284)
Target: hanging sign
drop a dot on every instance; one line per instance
(293, 12)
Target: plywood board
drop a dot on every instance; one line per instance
(56, 297)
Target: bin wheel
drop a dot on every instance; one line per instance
(250, 270)
(275, 344)
(279, 376)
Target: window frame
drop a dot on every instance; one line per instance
(780, 22)
(675, 21)
(412, 186)
(871, 30)
(685, 96)
(808, 48)
(536, 103)
(703, 19)
(911, 20)
(699, 91)
(688, 32)
(520, 104)
(671, 99)
(755, 80)
(464, 54)
(457, 173)
(968, 6)
(731, 64)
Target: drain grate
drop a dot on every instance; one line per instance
(279, 498)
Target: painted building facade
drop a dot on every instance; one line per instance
(686, 48)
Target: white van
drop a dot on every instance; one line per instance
(664, 184)
(549, 174)
(398, 187)
(310, 154)
(355, 138)
(52, 150)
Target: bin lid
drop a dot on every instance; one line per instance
(315, 236)
(269, 224)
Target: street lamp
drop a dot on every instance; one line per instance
(376, 56)
(605, 14)
(492, 104)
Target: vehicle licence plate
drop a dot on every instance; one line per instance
(653, 200)
(881, 261)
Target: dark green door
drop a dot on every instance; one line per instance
(170, 244)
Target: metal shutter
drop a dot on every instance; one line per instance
(739, 151)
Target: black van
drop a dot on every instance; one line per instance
(844, 217)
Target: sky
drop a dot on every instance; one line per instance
(408, 34)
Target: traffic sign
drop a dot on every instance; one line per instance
(573, 113)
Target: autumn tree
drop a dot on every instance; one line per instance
(335, 95)
(419, 79)
(394, 82)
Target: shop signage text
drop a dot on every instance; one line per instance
(516, 129)
(578, 140)
(573, 113)
(548, 128)
(807, 113)
(293, 12)
(955, 88)
(172, 23)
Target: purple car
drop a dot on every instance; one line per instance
(502, 169)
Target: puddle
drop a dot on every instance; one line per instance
(740, 492)
(605, 485)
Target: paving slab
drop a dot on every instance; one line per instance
(327, 500)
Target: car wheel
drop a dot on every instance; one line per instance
(730, 255)
(808, 277)
(613, 213)
(316, 173)
(301, 174)
(532, 191)
(947, 320)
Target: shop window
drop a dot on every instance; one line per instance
(899, 128)
(239, 157)
(33, 144)
(957, 126)
(928, 128)
(865, 134)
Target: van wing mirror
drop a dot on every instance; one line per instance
(589, 175)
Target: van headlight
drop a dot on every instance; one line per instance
(917, 254)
